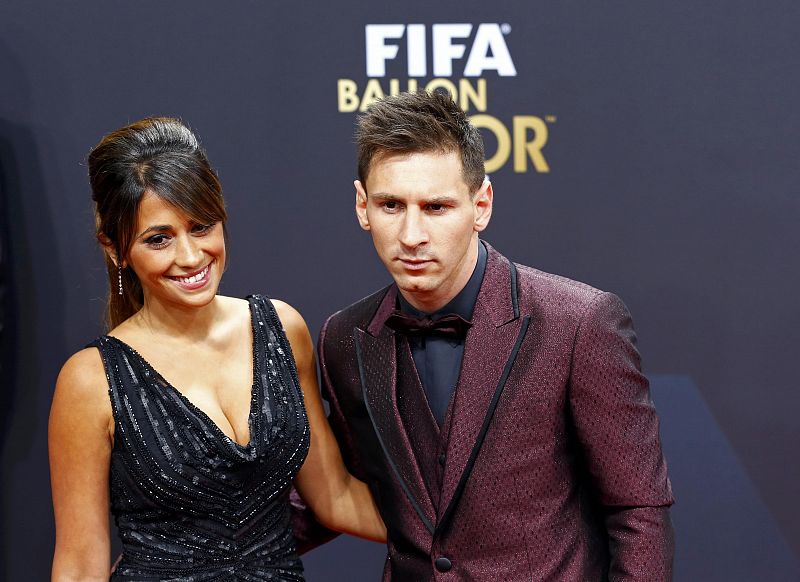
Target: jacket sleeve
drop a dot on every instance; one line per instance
(617, 427)
(344, 360)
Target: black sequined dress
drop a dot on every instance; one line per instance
(190, 503)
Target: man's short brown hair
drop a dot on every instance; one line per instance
(419, 122)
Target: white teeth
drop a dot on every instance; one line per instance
(194, 278)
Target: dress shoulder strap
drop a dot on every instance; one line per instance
(120, 374)
(265, 309)
(268, 324)
(275, 351)
(107, 352)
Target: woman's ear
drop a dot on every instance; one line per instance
(108, 248)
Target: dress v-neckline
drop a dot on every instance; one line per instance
(199, 411)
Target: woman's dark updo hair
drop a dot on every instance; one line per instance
(159, 155)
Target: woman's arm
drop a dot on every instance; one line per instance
(80, 436)
(340, 501)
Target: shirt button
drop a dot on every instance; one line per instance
(443, 564)
(442, 459)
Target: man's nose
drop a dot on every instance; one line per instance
(413, 232)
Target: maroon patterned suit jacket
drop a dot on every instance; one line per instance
(548, 465)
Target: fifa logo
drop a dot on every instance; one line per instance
(482, 49)
(488, 50)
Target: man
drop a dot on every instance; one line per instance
(498, 413)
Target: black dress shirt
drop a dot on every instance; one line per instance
(438, 358)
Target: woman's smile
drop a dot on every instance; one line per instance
(193, 281)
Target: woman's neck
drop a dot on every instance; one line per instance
(187, 322)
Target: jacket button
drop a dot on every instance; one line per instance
(442, 459)
(443, 564)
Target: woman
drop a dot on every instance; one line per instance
(193, 416)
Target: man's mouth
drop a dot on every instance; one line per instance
(414, 264)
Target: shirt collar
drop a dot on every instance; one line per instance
(463, 303)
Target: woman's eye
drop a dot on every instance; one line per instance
(158, 240)
(202, 228)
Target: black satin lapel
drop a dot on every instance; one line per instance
(476, 402)
(377, 367)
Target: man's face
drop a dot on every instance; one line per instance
(424, 223)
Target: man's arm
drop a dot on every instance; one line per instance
(617, 426)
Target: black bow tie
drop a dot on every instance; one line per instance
(451, 325)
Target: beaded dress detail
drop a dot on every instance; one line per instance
(190, 503)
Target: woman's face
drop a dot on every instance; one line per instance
(178, 261)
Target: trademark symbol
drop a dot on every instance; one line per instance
(550, 118)
(505, 28)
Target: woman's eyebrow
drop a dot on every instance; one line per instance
(155, 228)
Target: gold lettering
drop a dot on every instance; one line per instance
(533, 148)
(348, 95)
(372, 92)
(526, 140)
(469, 93)
(500, 132)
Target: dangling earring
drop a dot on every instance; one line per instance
(119, 278)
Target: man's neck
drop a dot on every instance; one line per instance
(429, 305)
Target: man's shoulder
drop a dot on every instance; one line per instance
(537, 279)
(357, 314)
(555, 293)
(535, 285)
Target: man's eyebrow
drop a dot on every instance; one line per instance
(155, 228)
(441, 199)
(437, 199)
(384, 197)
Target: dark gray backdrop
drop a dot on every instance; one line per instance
(673, 182)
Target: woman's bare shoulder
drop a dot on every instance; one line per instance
(83, 379)
(290, 318)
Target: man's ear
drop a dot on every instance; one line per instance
(482, 202)
(361, 205)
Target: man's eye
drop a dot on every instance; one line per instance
(436, 207)
(390, 205)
